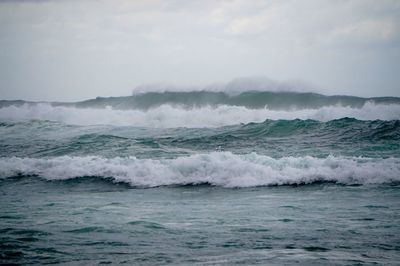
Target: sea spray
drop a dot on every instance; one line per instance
(167, 116)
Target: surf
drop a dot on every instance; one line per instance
(169, 116)
(223, 169)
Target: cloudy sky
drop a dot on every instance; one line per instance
(72, 50)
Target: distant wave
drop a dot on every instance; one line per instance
(173, 116)
(282, 100)
(248, 99)
(219, 168)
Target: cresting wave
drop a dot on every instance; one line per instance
(250, 98)
(219, 169)
(166, 116)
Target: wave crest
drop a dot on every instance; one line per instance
(173, 116)
(219, 168)
(249, 97)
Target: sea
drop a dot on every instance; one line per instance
(201, 178)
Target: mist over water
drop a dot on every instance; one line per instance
(244, 177)
(211, 162)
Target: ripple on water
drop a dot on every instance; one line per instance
(363, 219)
(89, 229)
(316, 249)
(146, 224)
(250, 230)
(376, 207)
(286, 220)
(23, 232)
(105, 243)
(12, 217)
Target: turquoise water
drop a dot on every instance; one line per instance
(88, 221)
(201, 178)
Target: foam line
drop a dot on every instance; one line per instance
(172, 116)
(219, 168)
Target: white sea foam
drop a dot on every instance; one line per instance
(173, 116)
(218, 168)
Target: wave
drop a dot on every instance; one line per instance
(248, 99)
(337, 129)
(273, 100)
(344, 130)
(277, 138)
(167, 116)
(219, 169)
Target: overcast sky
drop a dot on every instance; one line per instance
(72, 50)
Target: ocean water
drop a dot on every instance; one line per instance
(201, 178)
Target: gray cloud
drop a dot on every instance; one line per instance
(69, 50)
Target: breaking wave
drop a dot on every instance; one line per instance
(196, 99)
(282, 100)
(219, 169)
(167, 116)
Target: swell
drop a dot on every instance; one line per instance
(218, 168)
(167, 116)
(344, 128)
(276, 138)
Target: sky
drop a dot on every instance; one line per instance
(74, 50)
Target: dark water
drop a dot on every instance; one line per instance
(207, 182)
(90, 221)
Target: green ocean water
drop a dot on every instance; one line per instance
(201, 178)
